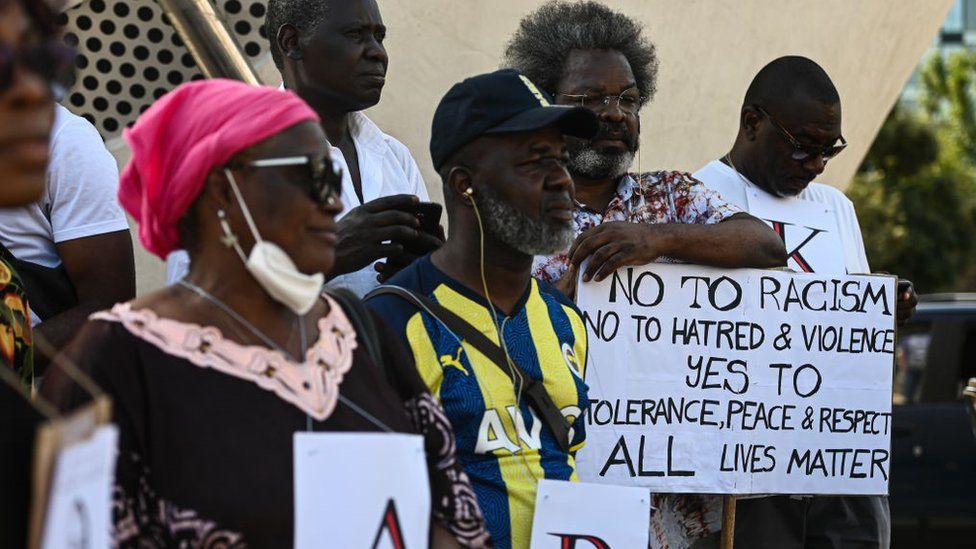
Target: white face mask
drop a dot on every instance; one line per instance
(271, 266)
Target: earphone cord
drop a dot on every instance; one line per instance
(515, 372)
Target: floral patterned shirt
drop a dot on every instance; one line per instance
(16, 344)
(681, 520)
(650, 197)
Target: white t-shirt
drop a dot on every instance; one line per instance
(386, 167)
(79, 200)
(734, 187)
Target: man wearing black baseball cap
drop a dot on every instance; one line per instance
(503, 353)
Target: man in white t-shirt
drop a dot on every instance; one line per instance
(789, 127)
(77, 228)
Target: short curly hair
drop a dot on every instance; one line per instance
(304, 15)
(541, 45)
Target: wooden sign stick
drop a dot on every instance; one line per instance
(728, 522)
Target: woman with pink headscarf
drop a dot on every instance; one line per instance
(212, 377)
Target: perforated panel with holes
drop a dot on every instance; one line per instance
(129, 55)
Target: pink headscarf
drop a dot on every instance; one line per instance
(183, 136)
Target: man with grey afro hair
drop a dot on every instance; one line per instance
(588, 55)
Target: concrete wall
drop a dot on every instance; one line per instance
(709, 51)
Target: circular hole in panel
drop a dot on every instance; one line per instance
(71, 39)
(257, 10)
(107, 26)
(263, 31)
(117, 48)
(232, 6)
(130, 31)
(177, 41)
(175, 78)
(124, 108)
(252, 49)
(187, 61)
(83, 22)
(155, 35)
(145, 14)
(104, 66)
(159, 92)
(121, 9)
(164, 56)
(97, 6)
(90, 83)
(138, 91)
(242, 27)
(196, 76)
(93, 44)
(113, 87)
(100, 104)
(141, 53)
(81, 61)
(127, 70)
(89, 118)
(151, 74)
(111, 124)
(77, 99)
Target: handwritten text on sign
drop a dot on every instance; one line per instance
(739, 381)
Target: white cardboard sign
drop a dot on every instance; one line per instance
(361, 490)
(741, 381)
(808, 229)
(79, 513)
(585, 515)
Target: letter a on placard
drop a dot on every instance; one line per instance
(390, 524)
(569, 541)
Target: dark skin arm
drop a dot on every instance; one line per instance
(739, 241)
(102, 269)
(907, 300)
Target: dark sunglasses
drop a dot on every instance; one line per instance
(325, 176)
(51, 60)
(801, 152)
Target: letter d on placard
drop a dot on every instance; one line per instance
(569, 541)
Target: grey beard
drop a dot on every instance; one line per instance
(592, 164)
(520, 232)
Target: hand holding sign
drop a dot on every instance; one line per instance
(616, 244)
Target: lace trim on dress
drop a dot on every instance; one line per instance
(312, 386)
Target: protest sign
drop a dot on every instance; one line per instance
(808, 229)
(584, 515)
(361, 490)
(739, 381)
(79, 510)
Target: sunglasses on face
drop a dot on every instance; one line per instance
(801, 152)
(51, 60)
(324, 175)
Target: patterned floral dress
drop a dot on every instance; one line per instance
(206, 425)
(16, 345)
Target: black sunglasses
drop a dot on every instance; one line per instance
(51, 60)
(325, 176)
(801, 152)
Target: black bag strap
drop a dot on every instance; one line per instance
(535, 392)
(365, 328)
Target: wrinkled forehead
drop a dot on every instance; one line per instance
(599, 71)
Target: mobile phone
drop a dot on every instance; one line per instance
(429, 215)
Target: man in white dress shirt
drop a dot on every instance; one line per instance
(331, 54)
(789, 127)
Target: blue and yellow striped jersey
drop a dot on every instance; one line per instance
(504, 448)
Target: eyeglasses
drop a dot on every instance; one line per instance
(324, 174)
(801, 152)
(51, 60)
(629, 101)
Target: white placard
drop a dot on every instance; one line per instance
(808, 229)
(742, 381)
(79, 513)
(361, 490)
(585, 515)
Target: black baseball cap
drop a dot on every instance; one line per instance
(503, 101)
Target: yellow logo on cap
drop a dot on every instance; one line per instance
(535, 91)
